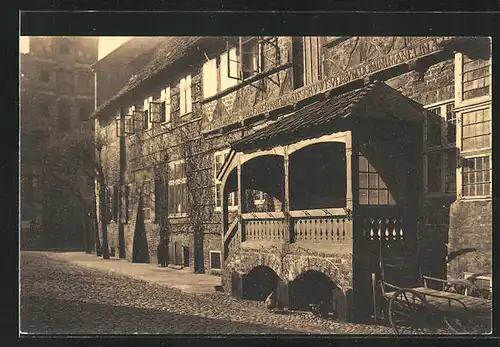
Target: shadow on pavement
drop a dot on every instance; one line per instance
(49, 316)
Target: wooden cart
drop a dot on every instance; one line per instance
(438, 306)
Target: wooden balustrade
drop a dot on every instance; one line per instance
(264, 229)
(317, 226)
(331, 229)
(389, 229)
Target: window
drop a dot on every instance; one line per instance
(312, 59)
(64, 80)
(451, 171)
(145, 113)
(219, 159)
(63, 115)
(165, 97)
(251, 57)
(476, 129)
(372, 188)
(215, 263)
(216, 73)
(440, 155)
(451, 123)
(177, 188)
(85, 81)
(476, 77)
(210, 78)
(298, 61)
(259, 197)
(129, 121)
(476, 176)
(44, 76)
(434, 127)
(185, 95)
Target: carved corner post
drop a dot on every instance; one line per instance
(241, 199)
(352, 200)
(224, 217)
(121, 227)
(286, 198)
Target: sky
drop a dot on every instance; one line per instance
(107, 44)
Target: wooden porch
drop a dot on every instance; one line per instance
(349, 184)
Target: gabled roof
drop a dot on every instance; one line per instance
(375, 99)
(127, 51)
(169, 50)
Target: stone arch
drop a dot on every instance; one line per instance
(329, 272)
(259, 282)
(253, 259)
(312, 287)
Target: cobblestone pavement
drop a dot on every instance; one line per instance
(61, 298)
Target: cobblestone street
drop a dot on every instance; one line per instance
(58, 297)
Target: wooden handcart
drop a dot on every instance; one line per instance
(438, 306)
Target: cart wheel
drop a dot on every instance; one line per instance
(410, 313)
(459, 320)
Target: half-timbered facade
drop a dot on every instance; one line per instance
(291, 163)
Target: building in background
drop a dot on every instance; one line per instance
(304, 164)
(56, 97)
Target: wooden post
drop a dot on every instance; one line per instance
(240, 200)
(286, 196)
(224, 217)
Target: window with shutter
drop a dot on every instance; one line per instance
(219, 159)
(177, 189)
(209, 72)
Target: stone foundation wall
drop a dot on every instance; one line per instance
(470, 227)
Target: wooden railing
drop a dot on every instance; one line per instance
(387, 229)
(264, 226)
(331, 226)
(231, 238)
(331, 229)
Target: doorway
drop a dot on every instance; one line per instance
(185, 256)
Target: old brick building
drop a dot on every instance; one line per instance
(56, 95)
(291, 162)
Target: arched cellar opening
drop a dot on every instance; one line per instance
(259, 283)
(318, 176)
(312, 288)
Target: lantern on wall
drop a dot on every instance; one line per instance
(119, 127)
(129, 126)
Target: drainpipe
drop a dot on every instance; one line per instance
(121, 227)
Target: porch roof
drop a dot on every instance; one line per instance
(375, 100)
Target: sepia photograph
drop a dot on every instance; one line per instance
(255, 185)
